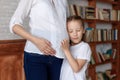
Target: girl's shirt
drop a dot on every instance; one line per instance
(47, 20)
(79, 51)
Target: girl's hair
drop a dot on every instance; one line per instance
(75, 18)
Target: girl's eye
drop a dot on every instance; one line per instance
(70, 31)
(77, 30)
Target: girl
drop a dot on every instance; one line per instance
(78, 55)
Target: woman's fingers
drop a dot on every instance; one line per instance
(48, 51)
(44, 46)
(48, 42)
(47, 48)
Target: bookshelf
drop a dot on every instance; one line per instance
(93, 15)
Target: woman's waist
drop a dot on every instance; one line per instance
(30, 47)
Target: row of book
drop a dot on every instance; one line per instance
(84, 12)
(99, 57)
(88, 12)
(108, 14)
(96, 35)
(107, 75)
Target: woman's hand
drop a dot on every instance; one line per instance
(44, 46)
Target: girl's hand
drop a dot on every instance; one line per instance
(65, 45)
(44, 46)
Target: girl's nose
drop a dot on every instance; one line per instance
(75, 33)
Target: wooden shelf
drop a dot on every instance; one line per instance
(114, 43)
(103, 42)
(11, 59)
(100, 21)
(89, 20)
(110, 2)
(12, 46)
(12, 41)
(104, 62)
(105, 21)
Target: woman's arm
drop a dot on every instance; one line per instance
(15, 26)
(42, 44)
(76, 64)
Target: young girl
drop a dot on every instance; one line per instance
(78, 54)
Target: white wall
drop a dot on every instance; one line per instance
(7, 8)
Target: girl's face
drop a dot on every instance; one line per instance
(75, 31)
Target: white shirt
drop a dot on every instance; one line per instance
(79, 51)
(47, 20)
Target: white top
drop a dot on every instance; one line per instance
(47, 20)
(79, 51)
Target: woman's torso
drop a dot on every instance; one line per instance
(48, 20)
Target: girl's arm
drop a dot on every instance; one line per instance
(76, 64)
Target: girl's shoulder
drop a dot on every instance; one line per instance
(81, 44)
(82, 51)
